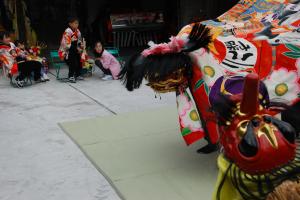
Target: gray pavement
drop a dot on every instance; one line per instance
(37, 160)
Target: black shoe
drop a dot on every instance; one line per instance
(39, 80)
(20, 84)
(210, 148)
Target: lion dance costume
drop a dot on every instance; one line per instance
(233, 77)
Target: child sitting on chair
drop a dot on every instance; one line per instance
(32, 54)
(15, 67)
(106, 62)
(21, 49)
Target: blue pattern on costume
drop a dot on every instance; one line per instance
(213, 23)
(260, 6)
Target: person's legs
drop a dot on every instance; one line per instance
(21, 75)
(36, 68)
(24, 70)
(105, 71)
(70, 62)
(43, 71)
(44, 75)
(77, 65)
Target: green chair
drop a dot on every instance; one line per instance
(114, 51)
(57, 63)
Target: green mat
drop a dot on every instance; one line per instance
(144, 157)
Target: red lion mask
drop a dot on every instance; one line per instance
(252, 137)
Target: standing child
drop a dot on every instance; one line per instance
(106, 62)
(71, 48)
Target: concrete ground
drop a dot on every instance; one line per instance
(37, 160)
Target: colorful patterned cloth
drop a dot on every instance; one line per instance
(69, 36)
(7, 61)
(261, 36)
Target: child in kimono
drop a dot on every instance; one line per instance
(106, 62)
(71, 48)
(34, 54)
(21, 49)
(31, 54)
(15, 67)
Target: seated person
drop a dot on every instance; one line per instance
(32, 54)
(21, 50)
(13, 65)
(106, 62)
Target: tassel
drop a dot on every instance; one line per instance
(286, 191)
(199, 38)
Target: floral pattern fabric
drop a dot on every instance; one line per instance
(261, 36)
(190, 124)
(69, 36)
(8, 63)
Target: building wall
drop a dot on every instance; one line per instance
(96, 6)
(52, 14)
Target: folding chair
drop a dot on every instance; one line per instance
(57, 63)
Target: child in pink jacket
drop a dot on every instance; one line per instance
(106, 62)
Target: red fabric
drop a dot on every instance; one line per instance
(6, 47)
(14, 69)
(193, 137)
(202, 101)
(61, 55)
(282, 60)
(264, 61)
(220, 55)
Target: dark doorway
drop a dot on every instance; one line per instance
(209, 9)
(49, 17)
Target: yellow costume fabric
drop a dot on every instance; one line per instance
(228, 191)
